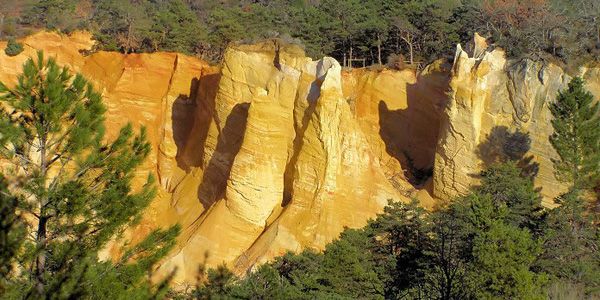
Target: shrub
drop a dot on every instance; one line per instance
(13, 48)
(396, 61)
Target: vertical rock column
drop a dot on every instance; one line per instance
(492, 100)
(336, 179)
(256, 95)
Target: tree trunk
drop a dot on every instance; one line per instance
(128, 43)
(350, 61)
(411, 52)
(408, 39)
(1, 25)
(379, 48)
(128, 39)
(40, 262)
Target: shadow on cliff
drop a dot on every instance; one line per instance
(216, 173)
(288, 176)
(191, 118)
(411, 135)
(503, 145)
(182, 120)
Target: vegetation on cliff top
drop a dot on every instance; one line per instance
(420, 30)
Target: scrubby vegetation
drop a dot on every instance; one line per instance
(420, 30)
(13, 48)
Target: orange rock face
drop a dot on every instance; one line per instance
(268, 153)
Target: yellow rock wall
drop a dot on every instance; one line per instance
(399, 111)
(273, 151)
(489, 96)
(286, 164)
(269, 152)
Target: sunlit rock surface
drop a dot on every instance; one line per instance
(493, 105)
(286, 165)
(273, 152)
(270, 152)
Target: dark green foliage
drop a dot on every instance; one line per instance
(76, 186)
(12, 233)
(372, 30)
(175, 28)
(571, 244)
(344, 271)
(572, 235)
(506, 186)
(494, 226)
(267, 283)
(13, 48)
(503, 256)
(52, 14)
(136, 26)
(218, 283)
(576, 136)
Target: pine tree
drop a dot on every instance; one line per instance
(75, 186)
(571, 244)
(503, 256)
(576, 136)
(499, 225)
(498, 256)
(572, 237)
(507, 185)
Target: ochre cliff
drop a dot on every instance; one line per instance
(285, 164)
(272, 151)
(494, 105)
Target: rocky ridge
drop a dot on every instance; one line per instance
(498, 107)
(273, 152)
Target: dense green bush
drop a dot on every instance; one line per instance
(13, 48)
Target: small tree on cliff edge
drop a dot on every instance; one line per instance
(572, 237)
(576, 136)
(74, 187)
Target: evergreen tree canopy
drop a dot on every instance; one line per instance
(572, 235)
(11, 234)
(421, 30)
(571, 242)
(576, 136)
(507, 185)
